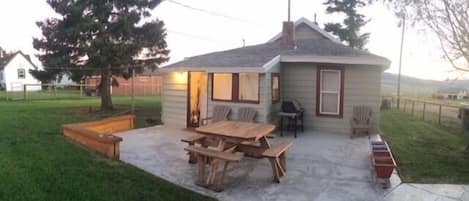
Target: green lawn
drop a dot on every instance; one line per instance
(426, 152)
(38, 163)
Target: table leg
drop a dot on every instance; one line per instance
(201, 164)
(219, 186)
(281, 171)
(275, 170)
(283, 162)
(213, 172)
(264, 142)
(214, 163)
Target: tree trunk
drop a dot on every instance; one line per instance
(105, 90)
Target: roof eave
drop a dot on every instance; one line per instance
(381, 62)
(212, 69)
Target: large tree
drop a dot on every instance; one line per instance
(106, 38)
(448, 19)
(349, 29)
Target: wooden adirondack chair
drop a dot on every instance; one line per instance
(220, 113)
(361, 119)
(246, 114)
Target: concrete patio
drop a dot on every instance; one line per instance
(321, 166)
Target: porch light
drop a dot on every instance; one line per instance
(181, 77)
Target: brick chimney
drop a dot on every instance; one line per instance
(288, 35)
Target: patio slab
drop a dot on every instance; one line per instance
(321, 167)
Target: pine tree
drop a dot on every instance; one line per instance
(103, 37)
(349, 29)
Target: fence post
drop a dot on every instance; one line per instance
(81, 89)
(24, 92)
(152, 87)
(439, 115)
(413, 104)
(423, 112)
(132, 106)
(405, 104)
(55, 91)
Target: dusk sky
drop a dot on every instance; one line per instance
(211, 25)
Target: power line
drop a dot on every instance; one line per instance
(188, 35)
(212, 12)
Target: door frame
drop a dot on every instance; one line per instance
(188, 112)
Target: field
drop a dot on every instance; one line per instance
(38, 163)
(426, 152)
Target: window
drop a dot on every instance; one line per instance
(21, 73)
(329, 92)
(248, 87)
(235, 87)
(222, 86)
(275, 87)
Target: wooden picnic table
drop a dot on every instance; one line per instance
(237, 130)
(231, 135)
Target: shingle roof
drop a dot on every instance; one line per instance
(7, 58)
(258, 55)
(249, 56)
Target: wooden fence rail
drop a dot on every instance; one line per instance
(439, 113)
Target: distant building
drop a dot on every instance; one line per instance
(14, 72)
(451, 94)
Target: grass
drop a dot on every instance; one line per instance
(38, 163)
(426, 152)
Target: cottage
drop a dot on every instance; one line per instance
(451, 94)
(303, 62)
(14, 72)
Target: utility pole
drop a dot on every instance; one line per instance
(400, 65)
(132, 106)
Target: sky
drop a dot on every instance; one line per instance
(202, 26)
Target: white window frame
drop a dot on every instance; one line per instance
(24, 73)
(338, 92)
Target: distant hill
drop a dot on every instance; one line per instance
(418, 87)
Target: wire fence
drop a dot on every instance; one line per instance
(74, 91)
(442, 114)
(85, 99)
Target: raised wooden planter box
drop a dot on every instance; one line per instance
(382, 159)
(97, 135)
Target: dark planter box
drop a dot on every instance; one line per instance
(379, 149)
(384, 166)
(377, 143)
(382, 159)
(381, 154)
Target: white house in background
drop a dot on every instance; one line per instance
(451, 94)
(14, 72)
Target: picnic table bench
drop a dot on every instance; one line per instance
(203, 156)
(192, 140)
(234, 139)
